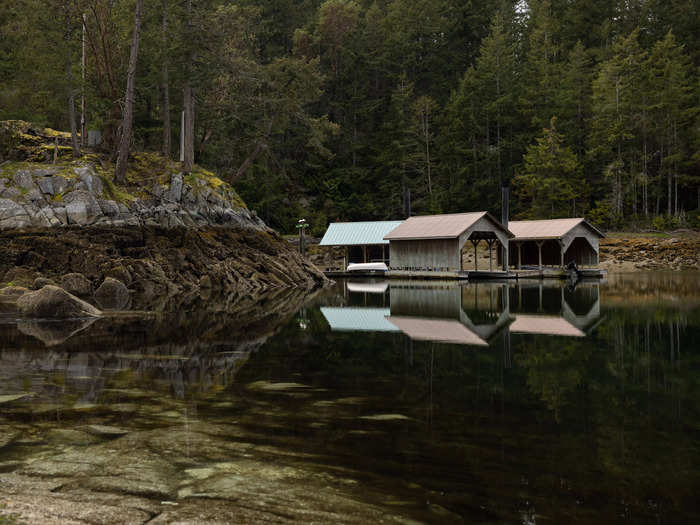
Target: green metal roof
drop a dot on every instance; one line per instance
(358, 319)
(357, 233)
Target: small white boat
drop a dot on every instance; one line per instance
(380, 287)
(367, 267)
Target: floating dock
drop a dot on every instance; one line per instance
(472, 275)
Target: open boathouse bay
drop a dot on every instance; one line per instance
(371, 401)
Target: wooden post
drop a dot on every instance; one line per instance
(561, 251)
(519, 245)
(539, 253)
(490, 243)
(364, 253)
(476, 260)
(383, 255)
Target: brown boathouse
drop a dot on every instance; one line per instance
(434, 243)
(553, 243)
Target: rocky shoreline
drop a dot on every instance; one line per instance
(621, 252)
(161, 234)
(155, 262)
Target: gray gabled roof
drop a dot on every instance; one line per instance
(548, 228)
(445, 226)
(357, 233)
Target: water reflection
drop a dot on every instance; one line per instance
(468, 314)
(552, 404)
(187, 346)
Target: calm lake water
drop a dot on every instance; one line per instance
(538, 402)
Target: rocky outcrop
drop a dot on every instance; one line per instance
(39, 196)
(161, 232)
(158, 262)
(54, 302)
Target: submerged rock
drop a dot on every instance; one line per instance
(69, 436)
(112, 294)
(107, 431)
(53, 333)
(55, 302)
(7, 436)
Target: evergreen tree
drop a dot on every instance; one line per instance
(548, 180)
(671, 111)
(618, 107)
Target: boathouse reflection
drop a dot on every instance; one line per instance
(472, 314)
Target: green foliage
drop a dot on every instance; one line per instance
(335, 109)
(549, 176)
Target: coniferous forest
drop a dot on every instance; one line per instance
(341, 109)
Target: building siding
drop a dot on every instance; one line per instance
(442, 254)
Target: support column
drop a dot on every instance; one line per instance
(383, 255)
(539, 253)
(561, 252)
(475, 242)
(364, 253)
(519, 245)
(490, 243)
(506, 255)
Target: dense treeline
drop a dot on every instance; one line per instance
(341, 109)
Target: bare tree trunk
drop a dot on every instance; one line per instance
(71, 110)
(188, 102)
(127, 121)
(69, 72)
(83, 64)
(167, 134)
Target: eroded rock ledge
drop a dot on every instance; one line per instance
(156, 261)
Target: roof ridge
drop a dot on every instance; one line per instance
(446, 214)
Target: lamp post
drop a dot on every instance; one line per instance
(301, 226)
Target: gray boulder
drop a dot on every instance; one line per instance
(81, 207)
(175, 193)
(55, 302)
(76, 284)
(46, 185)
(24, 179)
(44, 172)
(59, 184)
(40, 282)
(92, 181)
(13, 215)
(112, 294)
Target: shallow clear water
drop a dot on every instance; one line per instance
(536, 402)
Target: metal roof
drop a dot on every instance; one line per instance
(447, 226)
(438, 330)
(358, 319)
(357, 233)
(545, 325)
(547, 229)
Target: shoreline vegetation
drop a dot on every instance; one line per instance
(163, 233)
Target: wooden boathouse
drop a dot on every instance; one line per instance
(362, 242)
(432, 245)
(553, 244)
